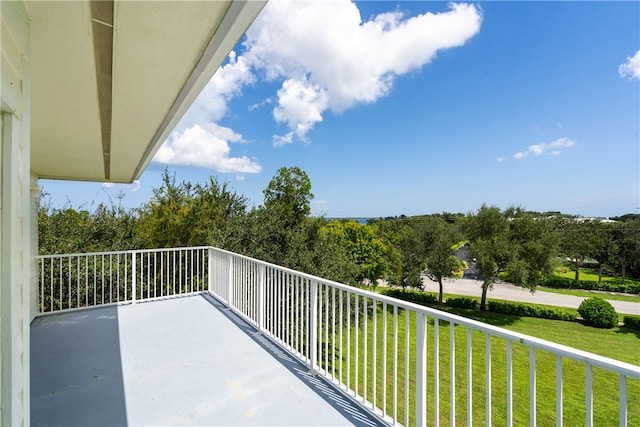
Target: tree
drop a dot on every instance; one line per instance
(192, 215)
(278, 223)
(365, 251)
(512, 242)
(604, 247)
(440, 259)
(411, 247)
(627, 240)
(289, 194)
(577, 241)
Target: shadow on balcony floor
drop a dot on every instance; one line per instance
(182, 361)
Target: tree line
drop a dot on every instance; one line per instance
(523, 247)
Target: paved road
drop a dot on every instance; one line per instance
(510, 292)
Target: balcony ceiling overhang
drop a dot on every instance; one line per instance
(111, 79)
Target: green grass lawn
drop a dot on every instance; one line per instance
(589, 294)
(618, 344)
(587, 274)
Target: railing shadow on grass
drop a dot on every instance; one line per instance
(346, 407)
(623, 330)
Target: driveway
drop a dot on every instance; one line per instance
(505, 291)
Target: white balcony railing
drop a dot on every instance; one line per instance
(406, 363)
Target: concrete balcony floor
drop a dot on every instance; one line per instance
(180, 361)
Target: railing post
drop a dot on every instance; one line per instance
(133, 276)
(210, 270)
(261, 297)
(313, 326)
(230, 283)
(421, 369)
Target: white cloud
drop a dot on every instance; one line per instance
(349, 62)
(300, 105)
(226, 83)
(500, 159)
(328, 59)
(133, 187)
(553, 148)
(205, 148)
(631, 69)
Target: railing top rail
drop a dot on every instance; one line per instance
(122, 252)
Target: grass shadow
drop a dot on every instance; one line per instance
(623, 330)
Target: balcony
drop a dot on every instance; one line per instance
(201, 336)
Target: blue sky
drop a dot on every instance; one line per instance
(415, 107)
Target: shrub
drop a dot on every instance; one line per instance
(529, 310)
(418, 297)
(598, 313)
(629, 287)
(632, 322)
(463, 302)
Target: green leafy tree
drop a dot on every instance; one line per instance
(67, 230)
(276, 226)
(182, 214)
(605, 248)
(577, 241)
(512, 242)
(365, 251)
(626, 235)
(289, 195)
(440, 259)
(411, 248)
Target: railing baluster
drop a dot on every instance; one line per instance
(348, 340)
(313, 329)
(340, 336)
(333, 333)
(324, 327)
(384, 358)
(365, 367)
(357, 344)
(487, 369)
(509, 374)
(469, 379)
(436, 371)
(623, 400)
(407, 358)
(395, 363)
(452, 373)
(558, 391)
(374, 347)
(532, 386)
(102, 282)
(589, 394)
(421, 369)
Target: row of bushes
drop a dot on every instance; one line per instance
(632, 322)
(530, 310)
(471, 303)
(594, 311)
(612, 286)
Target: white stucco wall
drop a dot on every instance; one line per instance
(16, 259)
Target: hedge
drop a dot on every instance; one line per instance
(613, 286)
(632, 322)
(471, 303)
(418, 297)
(462, 302)
(529, 310)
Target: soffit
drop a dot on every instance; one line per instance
(110, 80)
